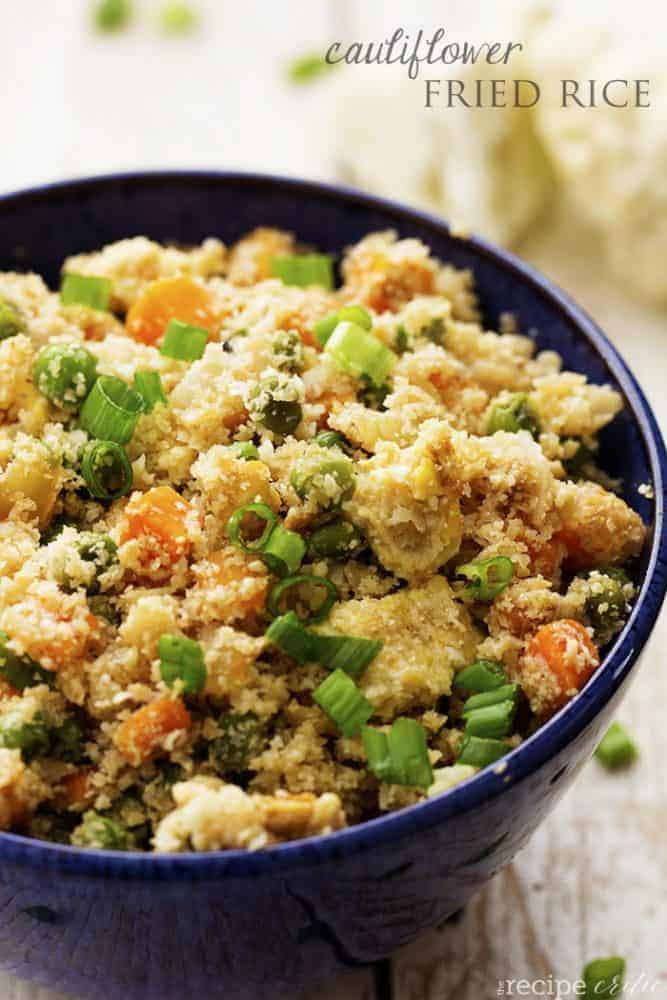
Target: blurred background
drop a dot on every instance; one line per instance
(582, 193)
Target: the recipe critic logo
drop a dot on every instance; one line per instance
(420, 52)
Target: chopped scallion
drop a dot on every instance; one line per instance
(308, 67)
(346, 652)
(245, 450)
(491, 722)
(340, 698)
(304, 270)
(352, 314)
(85, 290)
(360, 353)
(111, 410)
(401, 758)
(182, 660)
(149, 386)
(481, 676)
(479, 752)
(604, 978)
(260, 511)
(106, 470)
(284, 551)
(183, 341)
(488, 577)
(508, 692)
(311, 583)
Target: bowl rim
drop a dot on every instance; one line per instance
(546, 743)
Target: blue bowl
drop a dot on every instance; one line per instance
(237, 925)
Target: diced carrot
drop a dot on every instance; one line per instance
(73, 789)
(546, 559)
(141, 735)
(560, 657)
(160, 514)
(180, 298)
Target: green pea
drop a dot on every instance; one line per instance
(329, 439)
(338, 538)
(67, 741)
(65, 374)
(102, 832)
(325, 476)
(31, 738)
(11, 322)
(277, 414)
(242, 739)
(20, 671)
(607, 602)
(288, 350)
(515, 414)
(97, 550)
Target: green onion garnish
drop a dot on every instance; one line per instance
(317, 614)
(112, 15)
(182, 660)
(235, 526)
(11, 321)
(149, 386)
(508, 692)
(491, 722)
(85, 290)
(340, 698)
(604, 978)
(284, 551)
(106, 470)
(352, 314)
(329, 439)
(183, 341)
(480, 752)
(344, 652)
(308, 67)
(616, 749)
(177, 18)
(488, 577)
(515, 414)
(304, 270)
(358, 352)
(246, 450)
(480, 676)
(20, 671)
(401, 758)
(111, 410)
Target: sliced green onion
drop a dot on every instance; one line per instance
(515, 414)
(480, 752)
(508, 692)
(344, 652)
(235, 526)
(317, 614)
(488, 577)
(308, 67)
(491, 722)
(246, 450)
(358, 352)
(284, 551)
(401, 758)
(340, 698)
(604, 978)
(20, 671)
(149, 386)
(106, 470)
(334, 540)
(112, 15)
(351, 314)
(178, 18)
(182, 660)
(304, 270)
(480, 676)
(11, 321)
(329, 439)
(85, 290)
(616, 749)
(111, 411)
(183, 341)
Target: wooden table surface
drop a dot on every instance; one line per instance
(593, 881)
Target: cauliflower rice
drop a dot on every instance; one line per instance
(338, 549)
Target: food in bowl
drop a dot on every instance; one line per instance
(278, 557)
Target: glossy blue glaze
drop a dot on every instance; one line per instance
(238, 925)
